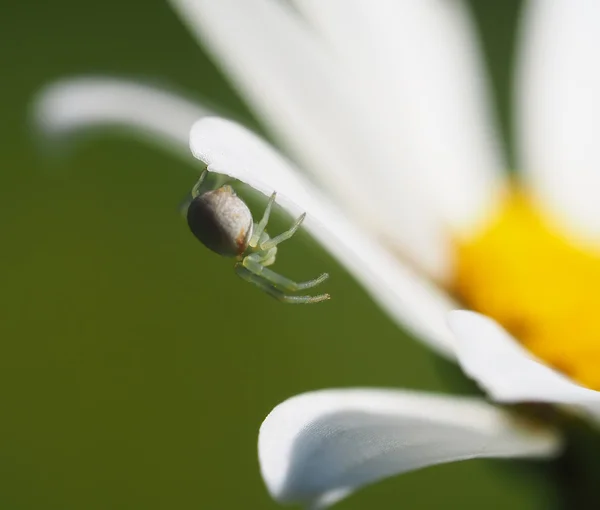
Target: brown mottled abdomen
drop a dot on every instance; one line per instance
(221, 221)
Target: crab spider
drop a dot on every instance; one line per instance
(224, 224)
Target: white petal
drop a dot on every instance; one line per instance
(89, 102)
(230, 149)
(559, 112)
(310, 104)
(508, 372)
(419, 64)
(322, 445)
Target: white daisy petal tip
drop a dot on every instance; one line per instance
(319, 447)
(229, 149)
(506, 370)
(73, 105)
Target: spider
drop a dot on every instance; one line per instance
(222, 222)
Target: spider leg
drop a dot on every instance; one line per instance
(196, 189)
(264, 258)
(281, 282)
(273, 291)
(262, 224)
(284, 236)
(268, 261)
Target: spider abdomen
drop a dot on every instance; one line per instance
(221, 221)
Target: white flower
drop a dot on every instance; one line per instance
(384, 106)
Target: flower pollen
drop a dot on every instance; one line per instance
(523, 273)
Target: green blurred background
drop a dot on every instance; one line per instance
(135, 367)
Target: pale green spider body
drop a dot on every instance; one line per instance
(224, 224)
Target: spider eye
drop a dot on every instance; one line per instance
(221, 221)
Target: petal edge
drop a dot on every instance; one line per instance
(75, 104)
(506, 370)
(318, 446)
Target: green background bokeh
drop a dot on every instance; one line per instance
(135, 367)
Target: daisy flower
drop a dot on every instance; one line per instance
(383, 113)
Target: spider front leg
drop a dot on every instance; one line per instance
(196, 189)
(262, 283)
(271, 243)
(259, 227)
(255, 264)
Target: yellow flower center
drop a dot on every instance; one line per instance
(540, 287)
